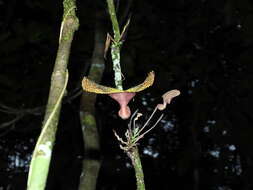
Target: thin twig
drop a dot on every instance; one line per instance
(142, 135)
(11, 122)
(150, 117)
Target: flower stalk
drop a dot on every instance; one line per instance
(135, 133)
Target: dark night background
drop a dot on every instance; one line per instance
(204, 48)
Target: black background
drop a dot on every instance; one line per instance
(203, 48)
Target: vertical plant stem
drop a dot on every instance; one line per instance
(135, 158)
(115, 52)
(115, 48)
(42, 153)
(91, 160)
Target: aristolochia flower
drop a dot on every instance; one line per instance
(167, 97)
(121, 96)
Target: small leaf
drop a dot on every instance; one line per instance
(123, 33)
(135, 131)
(107, 44)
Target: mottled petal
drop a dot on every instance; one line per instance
(90, 86)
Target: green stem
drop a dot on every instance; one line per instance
(115, 52)
(115, 24)
(115, 48)
(42, 153)
(136, 161)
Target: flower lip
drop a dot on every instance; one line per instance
(123, 99)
